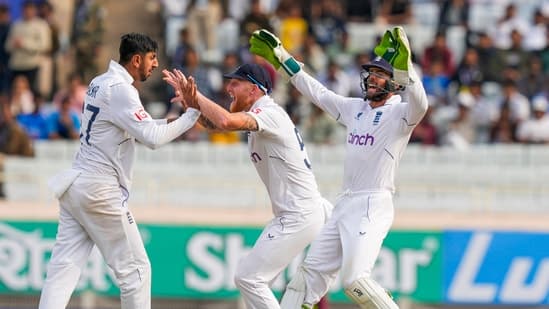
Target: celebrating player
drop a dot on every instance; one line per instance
(93, 195)
(280, 158)
(378, 129)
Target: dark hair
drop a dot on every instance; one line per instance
(135, 43)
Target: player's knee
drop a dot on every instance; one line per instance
(135, 279)
(242, 277)
(367, 293)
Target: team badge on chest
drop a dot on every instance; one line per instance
(377, 118)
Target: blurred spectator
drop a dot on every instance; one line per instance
(293, 29)
(534, 81)
(395, 12)
(511, 20)
(64, 123)
(21, 99)
(469, 69)
(13, 139)
(439, 51)
(5, 24)
(487, 57)
(536, 129)
(183, 45)
(87, 37)
(484, 112)
(35, 124)
(254, 20)
(535, 39)
(314, 55)
(515, 104)
(504, 129)
(360, 11)
(426, 133)
(29, 40)
(544, 55)
(514, 59)
(74, 91)
(203, 18)
(48, 71)
(296, 106)
(319, 127)
(191, 66)
(461, 131)
(453, 13)
(435, 80)
(335, 79)
(327, 26)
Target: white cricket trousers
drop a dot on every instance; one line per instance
(281, 241)
(93, 211)
(349, 242)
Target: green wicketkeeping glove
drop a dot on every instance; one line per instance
(267, 45)
(395, 48)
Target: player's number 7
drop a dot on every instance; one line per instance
(95, 111)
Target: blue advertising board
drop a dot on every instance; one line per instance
(496, 267)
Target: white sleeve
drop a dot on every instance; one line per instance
(321, 96)
(128, 113)
(267, 121)
(418, 104)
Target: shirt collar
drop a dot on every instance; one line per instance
(118, 69)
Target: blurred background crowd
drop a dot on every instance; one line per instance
(484, 63)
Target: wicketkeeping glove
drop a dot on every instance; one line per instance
(267, 45)
(395, 48)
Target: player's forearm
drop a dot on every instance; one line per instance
(206, 123)
(215, 115)
(154, 135)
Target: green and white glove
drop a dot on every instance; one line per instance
(267, 45)
(395, 48)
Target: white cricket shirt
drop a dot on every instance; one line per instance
(376, 138)
(112, 119)
(280, 158)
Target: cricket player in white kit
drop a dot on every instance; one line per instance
(280, 158)
(94, 193)
(378, 129)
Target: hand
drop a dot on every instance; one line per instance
(395, 48)
(189, 93)
(267, 45)
(183, 89)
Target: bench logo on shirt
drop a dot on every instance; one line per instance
(141, 114)
(256, 110)
(377, 118)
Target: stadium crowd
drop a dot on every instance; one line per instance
(496, 91)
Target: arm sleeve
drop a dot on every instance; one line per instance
(267, 121)
(321, 96)
(418, 104)
(132, 117)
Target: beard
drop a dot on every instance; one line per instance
(379, 95)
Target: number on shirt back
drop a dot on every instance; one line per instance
(94, 110)
(302, 146)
